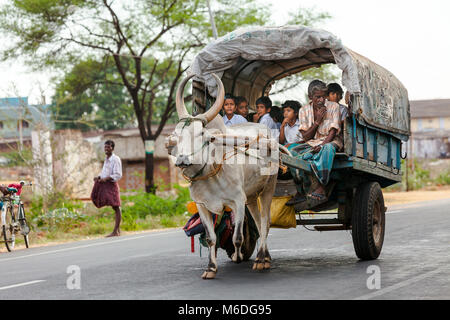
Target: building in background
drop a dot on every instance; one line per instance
(18, 119)
(430, 129)
(130, 148)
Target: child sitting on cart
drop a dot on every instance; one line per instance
(319, 126)
(289, 132)
(229, 107)
(263, 107)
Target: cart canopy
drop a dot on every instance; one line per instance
(250, 60)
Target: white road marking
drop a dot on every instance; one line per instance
(400, 284)
(395, 211)
(86, 246)
(21, 284)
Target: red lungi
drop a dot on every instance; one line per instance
(106, 194)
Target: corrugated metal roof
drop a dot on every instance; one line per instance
(14, 102)
(430, 108)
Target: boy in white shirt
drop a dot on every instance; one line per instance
(263, 106)
(229, 107)
(289, 131)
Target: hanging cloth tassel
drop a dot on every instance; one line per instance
(192, 244)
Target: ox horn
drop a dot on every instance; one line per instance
(214, 110)
(208, 115)
(179, 102)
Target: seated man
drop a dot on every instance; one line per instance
(319, 126)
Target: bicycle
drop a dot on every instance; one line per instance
(13, 218)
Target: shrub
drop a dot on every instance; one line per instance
(443, 178)
(18, 158)
(418, 178)
(59, 219)
(142, 204)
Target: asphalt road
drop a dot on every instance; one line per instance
(414, 264)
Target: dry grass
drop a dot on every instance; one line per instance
(395, 198)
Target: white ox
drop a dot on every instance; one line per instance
(199, 145)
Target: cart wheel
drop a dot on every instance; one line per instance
(250, 238)
(368, 221)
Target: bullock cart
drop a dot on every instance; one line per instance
(250, 61)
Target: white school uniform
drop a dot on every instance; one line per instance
(268, 121)
(236, 119)
(292, 134)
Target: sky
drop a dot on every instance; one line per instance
(409, 38)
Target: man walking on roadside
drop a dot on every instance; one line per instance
(106, 189)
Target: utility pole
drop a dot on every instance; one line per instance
(211, 17)
(20, 128)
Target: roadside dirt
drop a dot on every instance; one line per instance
(394, 198)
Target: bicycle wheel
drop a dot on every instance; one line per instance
(9, 235)
(24, 228)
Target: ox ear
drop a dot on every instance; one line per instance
(170, 142)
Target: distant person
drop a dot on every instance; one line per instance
(229, 108)
(106, 189)
(242, 106)
(289, 131)
(263, 107)
(17, 186)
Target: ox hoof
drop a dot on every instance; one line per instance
(261, 265)
(237, 258)
(267, 263)
(207, 275)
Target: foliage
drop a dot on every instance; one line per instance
(421, 175)
(443, 178)
(56, 200)
(418, 178)
(58, 219)
(149, 44)
(88, 96)
(17, 158)
(141, 205)
(66, 219)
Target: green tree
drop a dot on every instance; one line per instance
(88, 97)
(149, 42)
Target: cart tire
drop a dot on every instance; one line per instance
(368, 221)
(249, 243)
